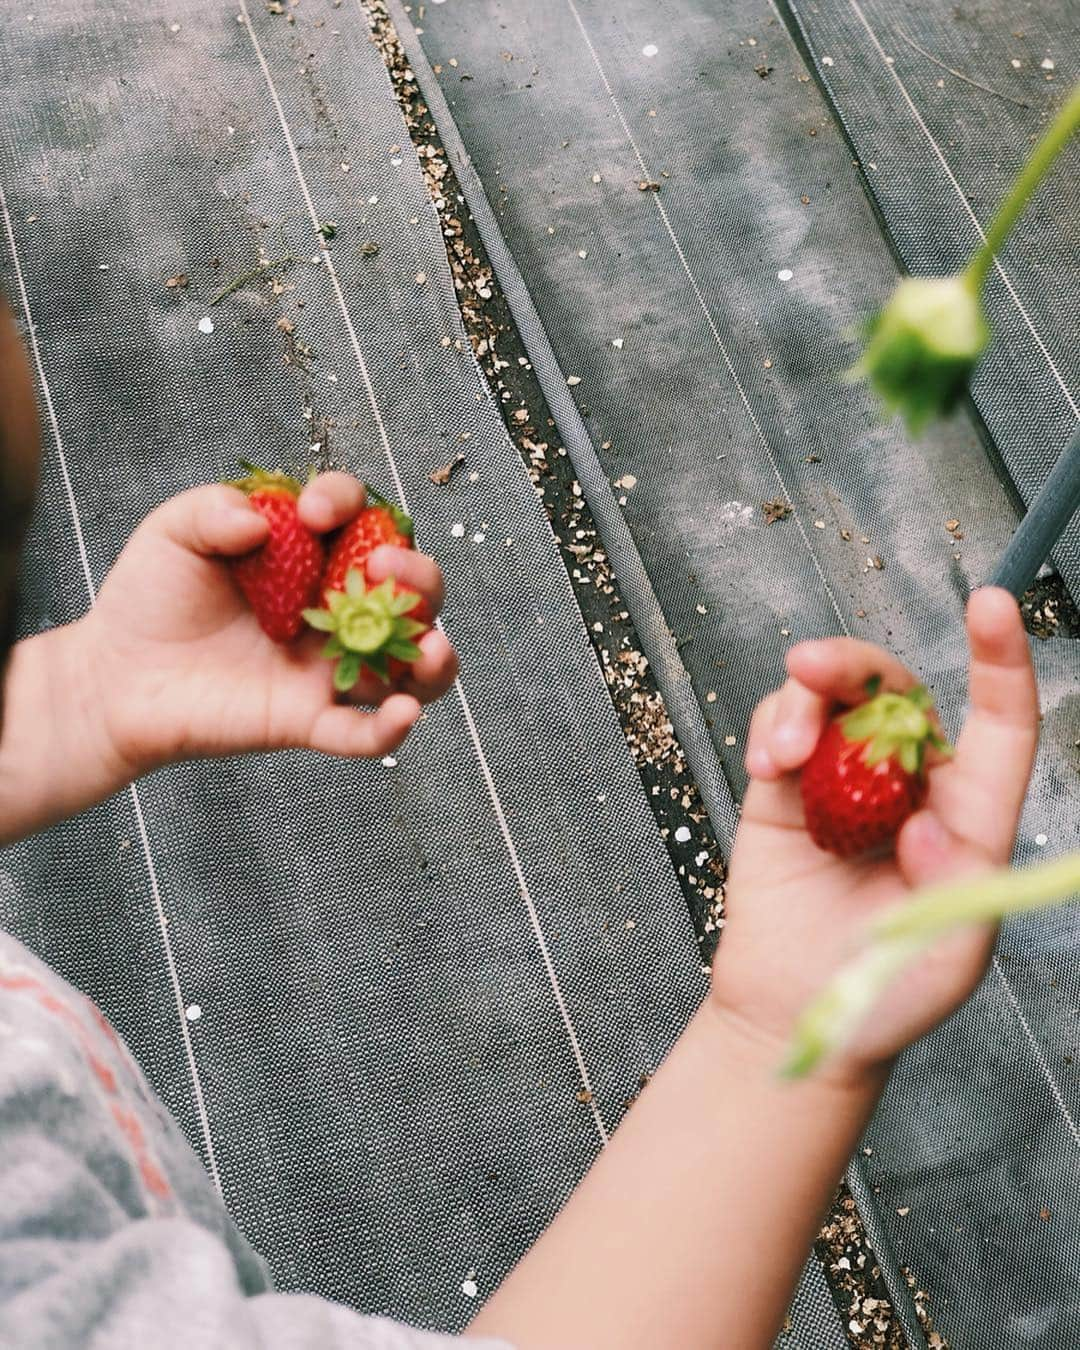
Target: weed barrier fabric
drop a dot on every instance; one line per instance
(681, 209)
(335, 974)
(942, 104)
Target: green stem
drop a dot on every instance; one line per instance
(902, 933)
(1053, 142)
(982, 899)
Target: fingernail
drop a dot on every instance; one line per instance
(934, 838)
(791, 737)
(239, 517)
(319, 501)
(760, 764)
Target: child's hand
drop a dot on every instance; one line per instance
(795, 913)
(182, 669)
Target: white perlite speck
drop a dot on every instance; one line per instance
(389, 762)
(206, 324)
(458, 530)
(650, 49)
(785, 274)
(682, 835)
(193, 1012)
(1041, 840)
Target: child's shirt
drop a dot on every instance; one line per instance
(110, 1232)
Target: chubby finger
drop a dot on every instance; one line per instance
(214, 521)
(415, 570)
(797, 726)
(927, 851)
(980, 793)
(330, 501)
(434, 673)
(838, 669)
(759, 761)
(346, 731)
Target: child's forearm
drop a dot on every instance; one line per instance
(55, 754)
(693, 1225)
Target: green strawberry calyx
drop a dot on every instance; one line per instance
(367, 625)
(895, 726)
(262, 480)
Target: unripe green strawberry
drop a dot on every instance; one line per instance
(372, 627)
(281, 577)
(867, 774)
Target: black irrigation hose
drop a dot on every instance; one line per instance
(1051, 509)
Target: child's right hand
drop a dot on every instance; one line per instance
(795, 913)
(182, 669)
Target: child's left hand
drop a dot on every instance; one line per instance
(181, 668)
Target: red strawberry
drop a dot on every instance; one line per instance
(369, 626)
(867, 773)
(281, 577)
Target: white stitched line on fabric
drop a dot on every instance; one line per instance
(485, 770)
(708, 314)
(1036, 1050)
(155, 892)
(966, 204)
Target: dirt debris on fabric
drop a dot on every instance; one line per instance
(856, 1281)
(678, 808)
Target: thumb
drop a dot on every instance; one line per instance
(213, 521)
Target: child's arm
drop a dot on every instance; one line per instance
(692, 1227)
(171, 664)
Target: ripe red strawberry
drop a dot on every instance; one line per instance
(281, 577)
(867, 773)
(369, 626)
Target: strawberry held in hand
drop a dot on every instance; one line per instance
(867, 774)
(372, 627)
(281, 577)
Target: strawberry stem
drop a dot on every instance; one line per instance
(905, 931)
(1054, 140)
